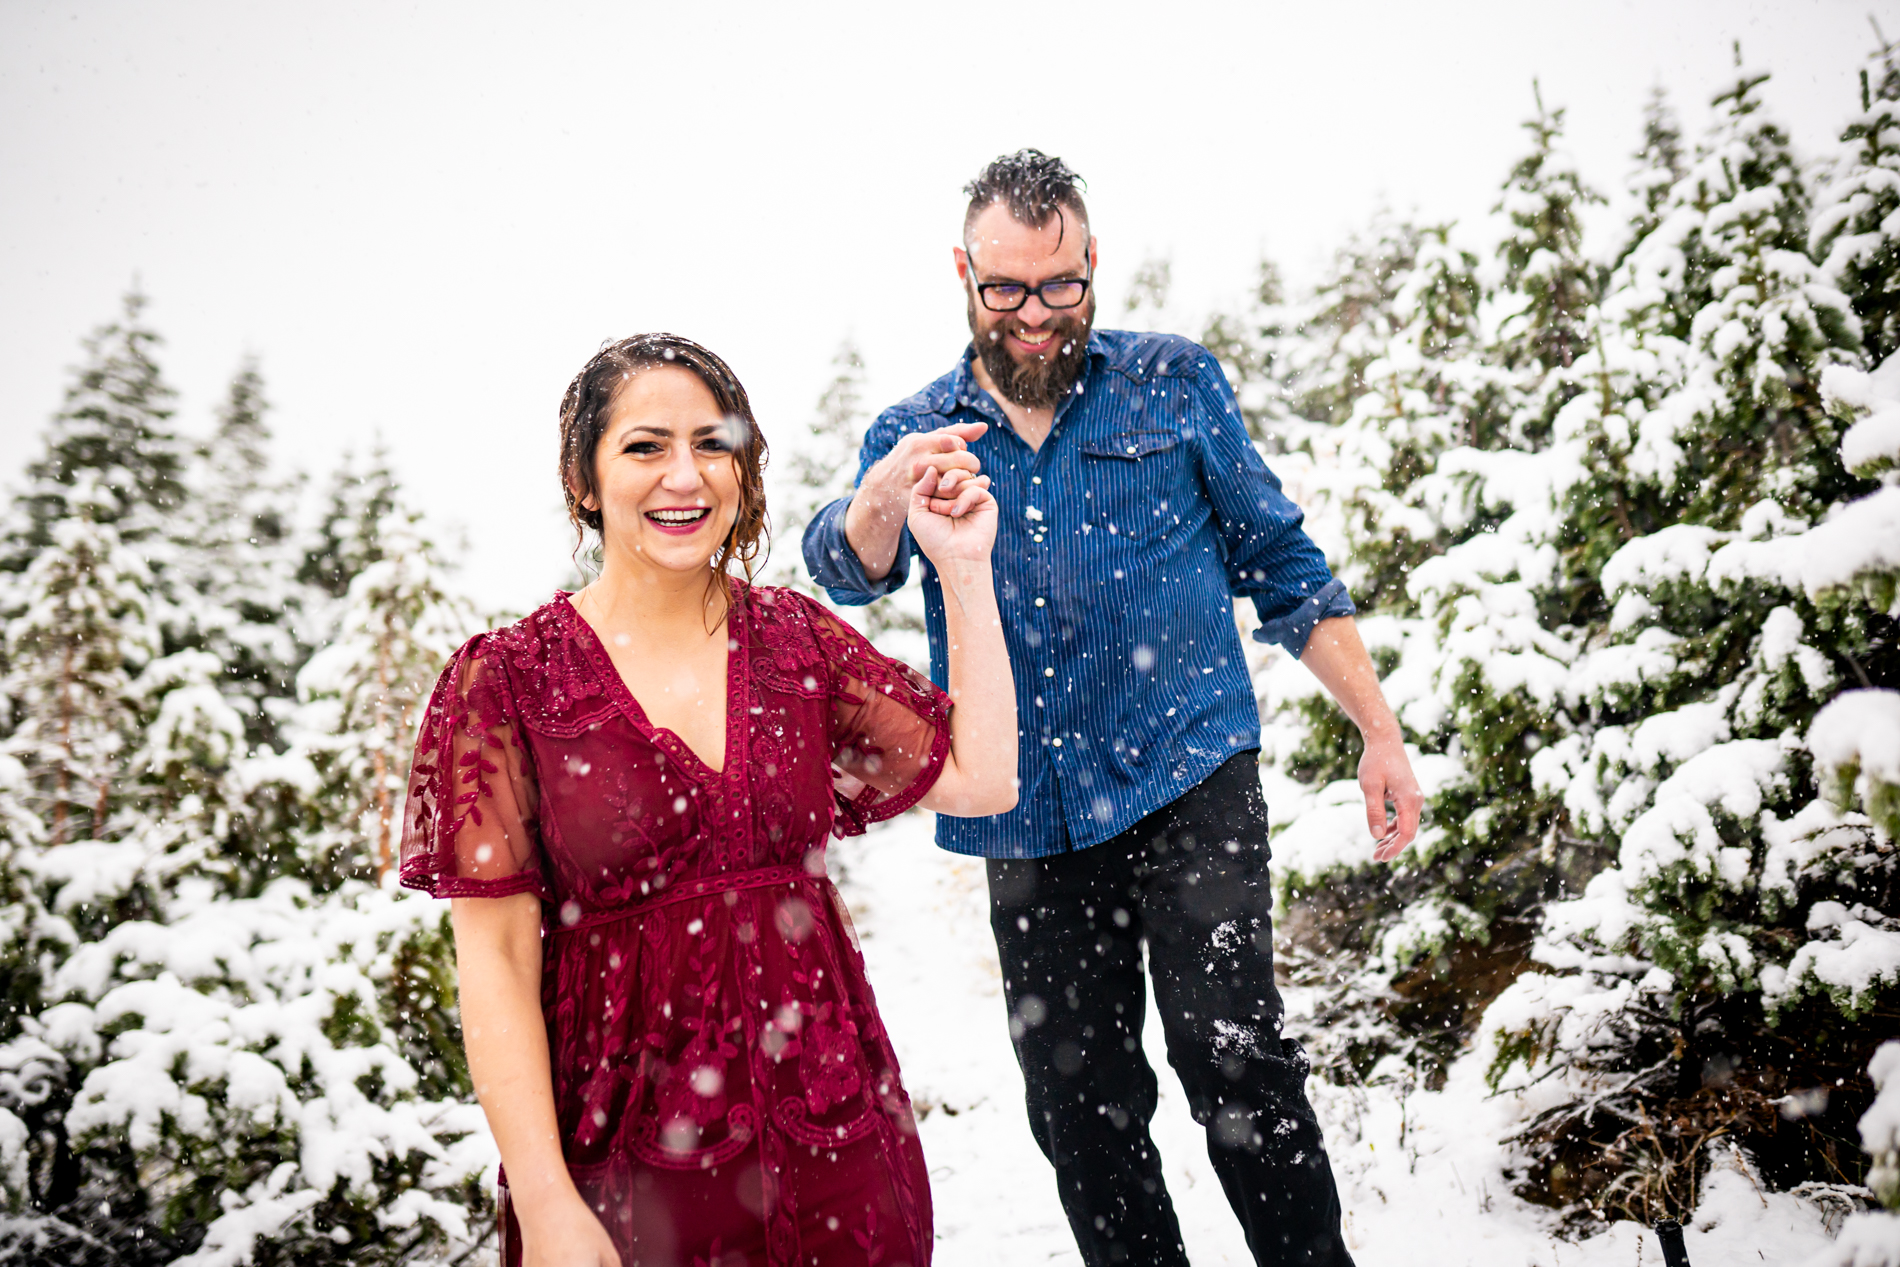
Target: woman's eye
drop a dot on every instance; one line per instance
(714, 446)
(642, 447)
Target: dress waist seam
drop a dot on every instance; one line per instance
(709, 886)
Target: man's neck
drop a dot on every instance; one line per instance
(1031, 425)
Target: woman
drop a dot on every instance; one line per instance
(627, 796)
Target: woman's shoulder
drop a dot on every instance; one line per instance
(782, 602)
(541, 660)
(535, 638)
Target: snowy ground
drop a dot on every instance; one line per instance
(1438, 1196)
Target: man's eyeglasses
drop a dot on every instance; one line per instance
(1063, 292)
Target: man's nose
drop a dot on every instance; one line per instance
(1034, 312)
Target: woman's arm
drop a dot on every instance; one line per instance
(498, 969)
(979, 776)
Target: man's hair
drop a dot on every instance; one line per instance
(1033, 185)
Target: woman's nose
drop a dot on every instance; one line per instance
(682, 472)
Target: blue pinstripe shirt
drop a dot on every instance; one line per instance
(1121, 543)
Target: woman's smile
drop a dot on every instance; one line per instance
(679, 521)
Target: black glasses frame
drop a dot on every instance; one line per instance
(983, 289)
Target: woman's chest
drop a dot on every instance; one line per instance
(627, 809)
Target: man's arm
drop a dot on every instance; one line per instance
(857, 547)
(1337, 657)
(1302, 606)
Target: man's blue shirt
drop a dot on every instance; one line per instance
(1120, 544)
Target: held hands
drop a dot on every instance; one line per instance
(952, 517)
(1385, 776)
(945, 451)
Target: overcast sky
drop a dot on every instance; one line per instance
(423, 218)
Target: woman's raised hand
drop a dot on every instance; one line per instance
(953, 517)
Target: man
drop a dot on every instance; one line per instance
(1133, 509)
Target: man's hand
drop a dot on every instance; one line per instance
(882, 502)
(1385, 776)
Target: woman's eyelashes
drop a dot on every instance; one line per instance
(711, 446)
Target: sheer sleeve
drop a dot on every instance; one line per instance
(890, 727)
(468, 826)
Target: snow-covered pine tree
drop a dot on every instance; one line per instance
(84, 623)
(1145, 305)
(1548, 283)
(1452, 511)
(1857, 219)
(363, 692)
(233, 585)
(815, 468)
(1254, 346)
(213, 1052)
(1672, 1009)
(1347, 321)
(115, 423)
(1871, 1238)
(1661, 163)
(345, 541)
(822, 467)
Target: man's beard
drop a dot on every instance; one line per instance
(1041, 381)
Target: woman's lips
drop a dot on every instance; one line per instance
(680, 521)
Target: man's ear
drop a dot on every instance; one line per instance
(962, 259)
(1095, 256)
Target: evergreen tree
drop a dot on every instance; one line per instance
(233, 581)
(1145, 306)
(85, 609)
(1661, 163)
(1857, 225)
(1451, 528)
(346, 538)
(1255, 349)
(363, 694)
(1732, 609)
(116, 425)
(1547, 283)
(822, 468)
(1346, 323)
(222, 1043)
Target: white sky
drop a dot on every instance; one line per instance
(423, 218)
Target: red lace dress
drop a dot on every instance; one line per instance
(725, 1090)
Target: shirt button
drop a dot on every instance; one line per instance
(1039, 602)
(1049, 672)
(1058, 743)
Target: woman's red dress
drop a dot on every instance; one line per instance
(727, 1095)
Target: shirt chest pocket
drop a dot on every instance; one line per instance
(1133, 482)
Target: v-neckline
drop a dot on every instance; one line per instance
(629, 704)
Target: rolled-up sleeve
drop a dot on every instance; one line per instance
(828, 553)
(1269, 557)
(836, 566)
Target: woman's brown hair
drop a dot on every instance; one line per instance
(589, 401)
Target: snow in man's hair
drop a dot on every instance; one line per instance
(1033, 185)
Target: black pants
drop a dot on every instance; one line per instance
(1189, 880)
